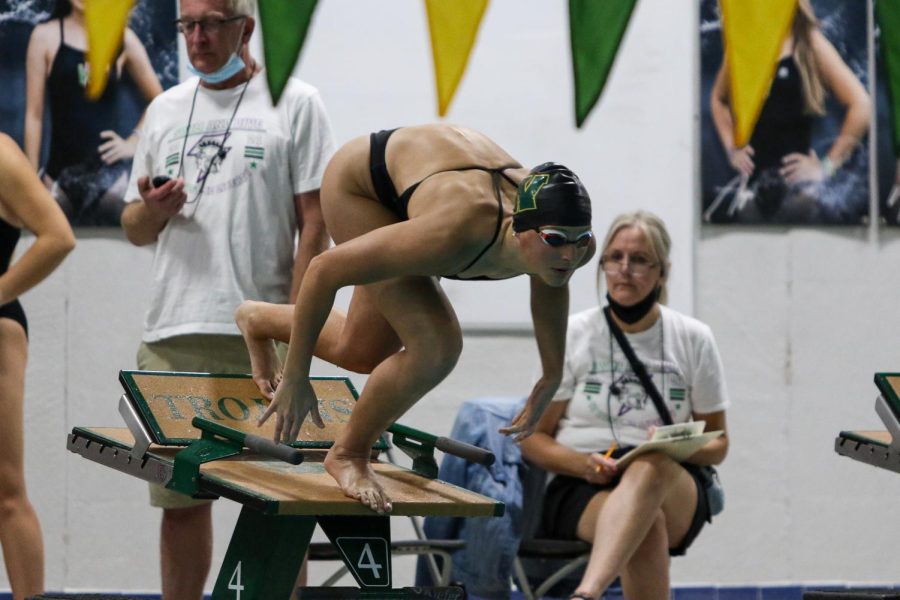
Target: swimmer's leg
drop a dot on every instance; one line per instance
(427, 327)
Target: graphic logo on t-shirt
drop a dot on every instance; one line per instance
(171, 163)
(631, 393)
(208, 153)
(592, 387)
(255, 154)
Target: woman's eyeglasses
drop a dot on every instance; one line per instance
(616, 263)
(557, 239)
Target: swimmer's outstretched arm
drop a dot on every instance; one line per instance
(550, 316)
(422, 246)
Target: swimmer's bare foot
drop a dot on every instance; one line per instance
(355, 476)
(263, 361)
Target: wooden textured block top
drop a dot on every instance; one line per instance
(306, 489)
(168, 401)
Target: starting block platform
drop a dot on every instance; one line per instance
(877, 448)
(188, 432)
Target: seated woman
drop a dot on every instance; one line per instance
(467, 210)
(654, 507)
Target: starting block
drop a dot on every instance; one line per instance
(188, 432)
(877, 448)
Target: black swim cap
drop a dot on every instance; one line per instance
(551, 195)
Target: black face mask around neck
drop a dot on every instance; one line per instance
(634, 313)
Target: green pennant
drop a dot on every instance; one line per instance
(596, 29)
(887, 12)
(284, 26)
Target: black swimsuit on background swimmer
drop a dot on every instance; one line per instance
(73, 161)
(9, 237)
(784, 127)
(387, 193)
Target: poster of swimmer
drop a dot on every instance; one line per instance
(888, 161)
(817, 108)
(65, 130)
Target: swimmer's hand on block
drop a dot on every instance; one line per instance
(256, 443)
(446, 445)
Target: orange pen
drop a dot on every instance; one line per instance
(609, 452)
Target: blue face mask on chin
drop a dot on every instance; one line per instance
(232, 67)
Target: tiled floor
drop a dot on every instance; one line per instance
(789, 592)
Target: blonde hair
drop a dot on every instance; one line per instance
(656, 233)
(805, 22)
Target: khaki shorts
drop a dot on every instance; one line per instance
(201, 353)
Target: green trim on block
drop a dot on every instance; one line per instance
(263, 557)
(887, 390)
(186, 473)
(856, 437)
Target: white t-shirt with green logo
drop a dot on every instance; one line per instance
(235, 240)
(607, 402)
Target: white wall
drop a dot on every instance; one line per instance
(634, 150)
(803, 317)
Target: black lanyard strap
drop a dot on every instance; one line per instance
(638, 367)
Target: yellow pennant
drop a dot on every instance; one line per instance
(453, 25)
(753, 32)
(106, 21)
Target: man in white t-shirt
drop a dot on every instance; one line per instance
(222, 181)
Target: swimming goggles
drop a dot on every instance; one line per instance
(557, 239)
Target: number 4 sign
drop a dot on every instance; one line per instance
(235, 582)
(369, 559)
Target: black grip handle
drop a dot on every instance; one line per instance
(160, 180)
(265, 446)
(466, 451)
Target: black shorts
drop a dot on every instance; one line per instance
(566, 498)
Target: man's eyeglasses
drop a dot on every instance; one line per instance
(557, 239)
(616, 263)
(187, 26)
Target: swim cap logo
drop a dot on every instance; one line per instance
(528, 191)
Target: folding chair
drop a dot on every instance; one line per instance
(540, 566)
(544, 566)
